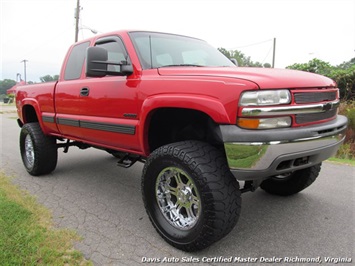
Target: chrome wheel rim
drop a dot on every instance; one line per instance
(178, 198)
(29, 151)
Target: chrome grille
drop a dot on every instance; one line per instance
(313, 97)
(307, 118)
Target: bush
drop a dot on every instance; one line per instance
(343, 75)
(347, 150)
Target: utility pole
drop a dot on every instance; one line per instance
(77, 17)
(24, 68)
(273, 54)
(18, 77)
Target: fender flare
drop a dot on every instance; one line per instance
(208, 105)
(33, 103)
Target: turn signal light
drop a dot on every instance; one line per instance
(264, 123)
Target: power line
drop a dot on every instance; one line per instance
(267, 55)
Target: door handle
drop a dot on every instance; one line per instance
(84, 92)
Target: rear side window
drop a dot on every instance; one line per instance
(75, 62)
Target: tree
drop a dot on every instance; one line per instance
(343, 75)
(6, 84)
(314, 66)
(347, 65)
(241, 58)
(49, 78)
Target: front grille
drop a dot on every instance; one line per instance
(313, 97)
(307, 118)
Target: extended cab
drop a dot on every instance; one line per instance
(205, 129)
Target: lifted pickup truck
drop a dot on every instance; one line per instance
(205, 129)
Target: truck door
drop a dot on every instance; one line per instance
(103, 110)
(67, 92)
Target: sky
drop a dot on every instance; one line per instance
(41, 31)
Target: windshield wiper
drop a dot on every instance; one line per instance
(177, 65)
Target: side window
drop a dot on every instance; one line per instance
(116, 53)
(75, 62)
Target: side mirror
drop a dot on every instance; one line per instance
(97, 64)
(96, 58)
(234, 61)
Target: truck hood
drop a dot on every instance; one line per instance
(265, 78)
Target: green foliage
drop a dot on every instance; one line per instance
(6, 84)
(345, 78)
(49, 78)
(343, 75)
(314, 66)
(242, 59)
(347, 150)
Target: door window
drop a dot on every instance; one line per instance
(75, 62)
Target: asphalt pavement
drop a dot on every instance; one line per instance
(101, 201)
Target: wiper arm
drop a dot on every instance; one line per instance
(177, 65)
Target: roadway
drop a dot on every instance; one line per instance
(88, 193)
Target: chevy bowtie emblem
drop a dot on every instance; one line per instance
(327, 107)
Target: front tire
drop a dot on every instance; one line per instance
(190, 195)
(291, 183)
(38, 151)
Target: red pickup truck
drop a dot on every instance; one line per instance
(205, 129)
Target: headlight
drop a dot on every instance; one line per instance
(265, 97)
(264, 123)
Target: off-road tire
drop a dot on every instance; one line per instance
(292, 183)
(38, 151)
(216, 189)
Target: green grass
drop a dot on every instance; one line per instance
(342, 161)
(27, 236)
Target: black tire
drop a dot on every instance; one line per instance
(292, 183)
(198, 175)
(38, 151)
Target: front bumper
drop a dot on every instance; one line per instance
(259, 154)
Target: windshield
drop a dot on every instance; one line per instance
(163, 50)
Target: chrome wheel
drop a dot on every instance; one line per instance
(177, 198)
(29, 151)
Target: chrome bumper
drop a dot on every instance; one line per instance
(256, 154)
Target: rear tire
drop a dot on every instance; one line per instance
(190, 195)
(291, 183)
(38, 151)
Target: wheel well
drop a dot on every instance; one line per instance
(29, 114)
(168, 125)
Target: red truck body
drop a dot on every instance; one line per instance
(135, 92)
